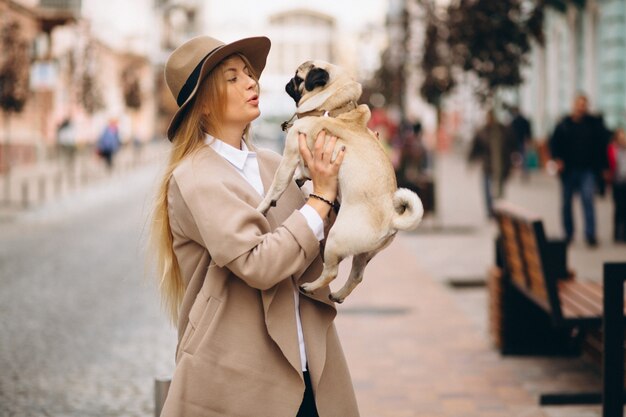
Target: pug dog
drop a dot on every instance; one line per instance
(372, 208)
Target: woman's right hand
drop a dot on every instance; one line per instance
(322, 169)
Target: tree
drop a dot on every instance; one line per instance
(14, 81)
(436, 60)
(88, 92)
(131, 88)
(492, 39)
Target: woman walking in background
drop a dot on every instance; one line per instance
(493, 147)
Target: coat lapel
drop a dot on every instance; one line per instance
(232, 177)
(267, 176)
(278, 302)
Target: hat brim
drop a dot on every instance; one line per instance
(255, 49)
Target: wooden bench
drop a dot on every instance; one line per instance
(613, 340)
(539, 307)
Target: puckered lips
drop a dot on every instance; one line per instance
(254, 100)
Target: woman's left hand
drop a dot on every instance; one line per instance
(323, 169)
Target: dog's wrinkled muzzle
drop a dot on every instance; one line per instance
(292, 89)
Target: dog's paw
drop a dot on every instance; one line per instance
(333, 297)
(307, 288)
(264, 207)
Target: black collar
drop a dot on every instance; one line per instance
(349, 106)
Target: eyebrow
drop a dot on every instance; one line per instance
(235, 69)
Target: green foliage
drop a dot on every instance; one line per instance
(89, 92)
(14, 68)
(492, 39)
(131, 88)
(436, 61)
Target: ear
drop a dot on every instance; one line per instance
(317, 77)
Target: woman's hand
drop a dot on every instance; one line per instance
(322, 169)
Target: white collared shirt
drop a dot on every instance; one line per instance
(247, 164)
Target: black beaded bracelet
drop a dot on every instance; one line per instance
(319, 197)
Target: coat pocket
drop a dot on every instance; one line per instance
(200, 318)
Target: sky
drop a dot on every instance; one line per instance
(118, 20)
(350, 14)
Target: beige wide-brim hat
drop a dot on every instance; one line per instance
(189, 64)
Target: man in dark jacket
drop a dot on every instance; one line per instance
(579, 148)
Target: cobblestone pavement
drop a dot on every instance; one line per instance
(82, 332)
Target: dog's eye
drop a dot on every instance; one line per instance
(298, 80)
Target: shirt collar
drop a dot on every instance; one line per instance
(235, 156)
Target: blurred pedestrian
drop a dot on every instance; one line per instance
(66, 140)
(520, 128)
(412, 170)
(249, 343)
(617, 163)
(579, 148)
(386, 130)
(109, 142)
(493, 147)
(413, 159)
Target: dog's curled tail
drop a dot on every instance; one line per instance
(409, 210)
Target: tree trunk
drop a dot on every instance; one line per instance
(7, 158)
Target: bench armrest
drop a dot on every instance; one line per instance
(556, 259)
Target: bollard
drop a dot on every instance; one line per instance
(58, 183)
(42, 189)
(161, 386)
(25, 193)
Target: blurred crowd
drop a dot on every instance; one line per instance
(588, 158)
(411, 158)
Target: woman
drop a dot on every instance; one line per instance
(249, 344)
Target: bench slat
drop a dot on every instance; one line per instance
(512, 254)
(578, 300)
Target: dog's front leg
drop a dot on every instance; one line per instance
(284, 173)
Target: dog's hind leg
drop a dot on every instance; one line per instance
(359, 262)
(329, 273)
(284, 173)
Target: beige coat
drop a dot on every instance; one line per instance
(238, 353)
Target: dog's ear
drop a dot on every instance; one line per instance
(292, 88)
(317, 77)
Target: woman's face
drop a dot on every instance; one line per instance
(242, 93)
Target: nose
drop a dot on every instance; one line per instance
(251, 82)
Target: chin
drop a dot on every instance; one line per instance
(254, 115)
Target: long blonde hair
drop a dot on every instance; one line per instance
(203, 116)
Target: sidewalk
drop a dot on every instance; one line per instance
(417, 347)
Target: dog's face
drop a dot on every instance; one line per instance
(319, 84)
(308, 77)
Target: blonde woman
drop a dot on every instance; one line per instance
(249, 344)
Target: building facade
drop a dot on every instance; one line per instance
(584, 52)
(73, 75)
